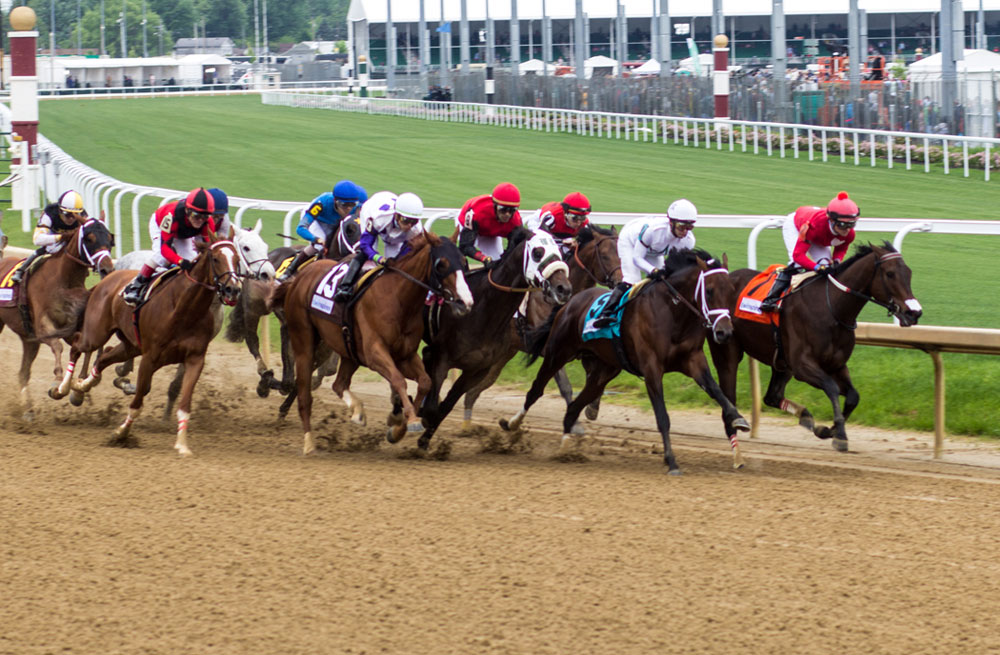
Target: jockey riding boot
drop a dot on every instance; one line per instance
(293, 266)
(345, 289)
(132, 294)
(607, 315)
(19, 273)
(782, 282)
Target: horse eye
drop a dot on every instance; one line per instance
(890, 275)
(246, 248)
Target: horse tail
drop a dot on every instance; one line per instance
(75, 308)
(236, 330)
(277, 296)
(535, 339)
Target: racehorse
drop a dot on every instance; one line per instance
(175, 325)
(254, 266)
(593, 260)
(53, 296)
(663, 329)
(245, 317)
(384, 323)
(815, 336)
(476, 342)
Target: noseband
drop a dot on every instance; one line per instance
(710, 317)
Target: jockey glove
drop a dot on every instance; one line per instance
(186, 264)
(819, 268)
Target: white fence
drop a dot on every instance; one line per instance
(913, 149)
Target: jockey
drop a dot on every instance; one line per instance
(484, 220)
(323, 217)
(563, 220)
(816, 237)
(180, 223)
(643, 245)
(223, 226)
(57, 220)
(391, 218)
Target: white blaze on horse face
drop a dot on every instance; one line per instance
(913, 305)
(464, 294)
(253, 251)
(535, 271)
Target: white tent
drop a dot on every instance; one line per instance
(534, 66)
(651, 67)
(978, 86)
(704, 68)
(600, 64)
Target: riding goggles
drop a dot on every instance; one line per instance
(843, 225)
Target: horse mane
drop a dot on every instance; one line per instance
(680, 259)
(519, 234)
(862, 250)
(591, 230)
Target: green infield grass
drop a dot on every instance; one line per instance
(253, 150)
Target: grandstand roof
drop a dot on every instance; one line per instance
(408, 11)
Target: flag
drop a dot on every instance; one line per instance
(444, 27)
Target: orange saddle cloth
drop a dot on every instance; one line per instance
(748, 303)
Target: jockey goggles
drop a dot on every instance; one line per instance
(406, 221)
(843, 225)
(684, 225)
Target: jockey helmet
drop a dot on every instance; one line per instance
(221, 201)
(506, 194)
(410, 206)
(682, 211)
(843, 210)
(346, 191)
(200, 201)
(71, 202)
(576, 203)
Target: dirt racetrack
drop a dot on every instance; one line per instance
(250, 548)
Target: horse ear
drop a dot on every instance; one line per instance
(725, 261)
(258, 227)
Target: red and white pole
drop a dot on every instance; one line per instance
(720, 75)
(24, 109)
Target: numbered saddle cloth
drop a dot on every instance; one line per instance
(590, 332)
(322, 302)
(9, 291)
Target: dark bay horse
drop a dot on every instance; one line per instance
(476, 342)
(385, 321)
(593, 260)
(55, 295)
(816, 333)
(174, 326)
(245, 317)
(663, 330)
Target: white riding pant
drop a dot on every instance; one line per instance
(790, 234)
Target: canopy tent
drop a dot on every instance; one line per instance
(650, 67)
(600, 65)
(533, 66)
(978, 87)
(974, 62)
(706, 62)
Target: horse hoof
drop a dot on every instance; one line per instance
(467, 425)
(184, 452)
(395, 434)
(263, 388)
(394, 418)
(54, 393)
(76, 399)
(504, 425)
(823, 432)
(674, 472)
(840, 445)
(577, 429)
(416, 426)
(741, 424)
(360, 419)
(122, 370)
(590, 413)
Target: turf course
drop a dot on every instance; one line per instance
(280, 153)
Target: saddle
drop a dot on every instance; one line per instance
(613, 331)
(159, 277)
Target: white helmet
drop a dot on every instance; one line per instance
(682, 210)
(410, 205)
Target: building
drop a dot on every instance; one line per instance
(222, 46)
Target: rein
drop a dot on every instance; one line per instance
(80, 247)
(891, 308)
(700, 293)
(217, 278)
(496, 285)
(444, 293)
(607, 276)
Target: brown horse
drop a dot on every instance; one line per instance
(663, 329)
(385, 321)
(54, 296)
(816, 334)
(174, 326)
(592, 260)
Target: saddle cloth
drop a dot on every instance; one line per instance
(8, 290)
(288, 260)
(615, 329)
(748, 304)
(322, 302)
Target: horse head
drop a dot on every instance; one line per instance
(94, 243)
(544, 267)
(344, 240)
(596, 260)
(222, 269)
(253, 253)
(447, 276)
(711, 291)
(890, 285)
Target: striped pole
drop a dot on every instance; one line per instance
(720, 75)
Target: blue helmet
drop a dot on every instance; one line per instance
(348, 191)
(221, 200)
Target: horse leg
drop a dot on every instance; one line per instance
(121, 379)
(598, 376)
(188, 373)
(59, 390)
(726, 357)
(594, 408)
(55, 345)
(413, 369)
(467, 380)
(174, 390)
(436, 365)
(250, 323)
(654, 389)
(834, 386)
(119, 353)
(29, 350)
(775, 397)
(144, 378)
(380, 361)
(553, 362)
(341, 387)
(698, 370)
(326, 366)
(303, 348)
(289, 362)
(472, 395)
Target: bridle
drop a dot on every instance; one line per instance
(93, 260)
(437, 286)
(892, 307)
(710, 317)
(607, 281)
(250, 263)
(218, 279)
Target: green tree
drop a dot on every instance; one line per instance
(225, 18)
(178, 16)
(90, 27)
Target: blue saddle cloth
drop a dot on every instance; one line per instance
(612, 331)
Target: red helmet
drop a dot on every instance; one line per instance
(842, 209)
(200, 201)
(506, 194)
(576, 203)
